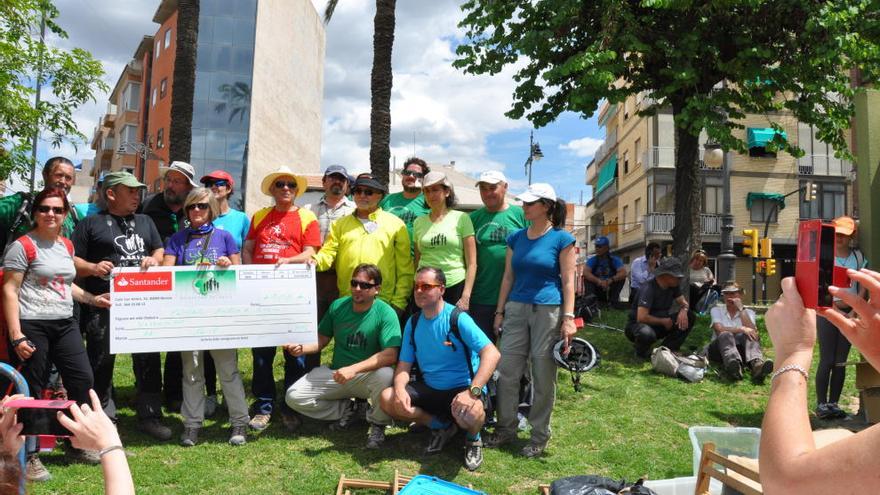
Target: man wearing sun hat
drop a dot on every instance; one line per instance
(279, 234)
(735, 340)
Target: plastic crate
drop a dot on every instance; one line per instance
(674, 486)
(728, 441)
(429, 485)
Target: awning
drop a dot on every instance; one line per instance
(752, 196)
(607, 173)
(759, 137)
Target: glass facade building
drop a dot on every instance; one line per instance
(222, 97)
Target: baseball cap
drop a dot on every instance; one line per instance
(601, 241)
(121, 178)
(536, 191)
(218, 175)
(844, 225)
(435, 178)
(370, 180)
(669, 266)
(183, 168)
(491, 177)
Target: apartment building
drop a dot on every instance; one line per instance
(633, 180)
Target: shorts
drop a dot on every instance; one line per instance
(435, 402)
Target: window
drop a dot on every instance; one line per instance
(637, 211)
(128, 135)
(167, 38)
(131, 96)
(830, 201)
(626, 225)
(712, 199)
(163, 88)
(664, 198)
(160, 139)
(761, 208)
(155, 95)
(638, 151)
(626, 162)
(158, 46)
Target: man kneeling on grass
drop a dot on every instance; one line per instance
(448, 346)
(367, 335)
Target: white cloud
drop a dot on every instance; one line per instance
(584, 147)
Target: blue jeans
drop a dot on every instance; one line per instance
(263, 380)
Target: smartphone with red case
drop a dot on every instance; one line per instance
(815, 270)
(39, 417)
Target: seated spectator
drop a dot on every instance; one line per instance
(367, 335)
(451, 389)
(789, 458)
(700, 276)
(735, 339)
(642, 270)
(654, 316)
(604, 274)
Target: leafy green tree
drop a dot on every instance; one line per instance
(70, 77)
(774, 57)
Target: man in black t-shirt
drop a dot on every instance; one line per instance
(118, 237)
(653, 317)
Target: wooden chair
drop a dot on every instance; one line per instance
(708, 470)
(346, 485)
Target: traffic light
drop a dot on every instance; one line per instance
(810, 191)
(770, 267)
(760, 266)
(750, 243)
(766, 248)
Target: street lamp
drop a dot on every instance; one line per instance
(535, 154)
(714, 157)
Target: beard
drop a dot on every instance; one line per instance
(336, 190)
(172, 198)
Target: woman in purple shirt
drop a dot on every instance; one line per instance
(202, 244)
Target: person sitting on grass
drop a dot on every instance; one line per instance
(367, 335)
(735, 339)
(455, 366)
(604, 274)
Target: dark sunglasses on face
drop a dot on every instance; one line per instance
(279, 184)
(218, 183)
(58, 210)
(357, 284)
(366, 192)
(425, 287)
(412, 173)
(197, 206)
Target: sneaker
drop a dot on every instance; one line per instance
(210, 406)
(290, 421)
(734, 370)
(190, 436)
(824, 412)
(497, 439)
(440, 437)
(35, 470)
(836, 411)
(81, 455)
(473, 454)
(532, 450)
(155, 429)
(260, 421)
(761, 369)
(238, 435)
(376, 437)
(349, 417)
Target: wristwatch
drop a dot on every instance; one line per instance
(476, 391)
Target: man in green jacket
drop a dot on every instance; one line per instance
(15, 209)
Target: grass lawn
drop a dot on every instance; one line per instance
(626, 422)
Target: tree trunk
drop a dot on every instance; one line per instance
(184, 81)
(686, 231)
(380, 89)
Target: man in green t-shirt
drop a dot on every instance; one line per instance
(367, 335)
(409, 203)
(492, 224)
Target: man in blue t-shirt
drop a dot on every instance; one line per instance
(450, 391)
(604, 274)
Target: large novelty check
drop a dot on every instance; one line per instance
(199, 308)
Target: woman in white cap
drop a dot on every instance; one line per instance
(535, 310)
(444, 239)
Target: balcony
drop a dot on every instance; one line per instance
(609, 192)
(606, 112)
(591, 172)
(606, 147)
(664, 157)
(823, 165)
(662, 223)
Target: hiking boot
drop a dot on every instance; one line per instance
(760, 370)
(376, 437)
(260, 421)
(824, 412)
(734, 369)
(81, 455)
(190, 436)
(35, 470)
(290, 421)
(473, 454)
(349, 417)
(210, 406)
(155, 429)
(532, 450)
(497, 439)
(440, 437)
(238, 435)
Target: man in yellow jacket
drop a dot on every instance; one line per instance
(370, 235)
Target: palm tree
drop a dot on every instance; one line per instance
(380, 85)
(180, 132)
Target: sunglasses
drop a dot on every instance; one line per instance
(426, 287)
(198, 206)
(58, 210)
(279, 184)
(412, 173)
(365, 192)
(218, 183)
(357, 284)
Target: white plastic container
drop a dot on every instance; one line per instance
(674, 486)
(728, 441)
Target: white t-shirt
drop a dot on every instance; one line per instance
(722, 316)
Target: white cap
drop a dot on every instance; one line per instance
(536, 191)
(436, 177)
(491, 177)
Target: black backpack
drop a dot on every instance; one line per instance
(453, 330)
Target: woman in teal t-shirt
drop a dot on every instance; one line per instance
(444, 239)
